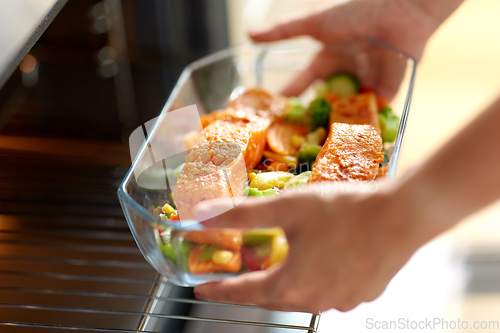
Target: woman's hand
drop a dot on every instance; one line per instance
(344, 248)
(404, 24)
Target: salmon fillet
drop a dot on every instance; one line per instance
(356, 109)
(351, 152)
(260, 102)
(217, 167)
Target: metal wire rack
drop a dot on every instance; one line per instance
(69, 263)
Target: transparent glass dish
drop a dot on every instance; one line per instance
(209, 84)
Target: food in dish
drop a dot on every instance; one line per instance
(262, 144)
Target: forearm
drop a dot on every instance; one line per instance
(460, 178)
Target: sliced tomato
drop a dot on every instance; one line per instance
(197, 266)
(253, 261)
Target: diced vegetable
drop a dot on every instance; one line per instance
(197, 266)
(297, 140)
(277, 166)
(267, 180)
(317, 136)
(167, 209)
(319, 109)
(320, 87)
(298, 180)
(307, 155)
(257, 236)
(253, 192)
(344, 84)
(177, 171)
(206, 252)
(279, 250)
(389, 124)
(225, 238)
(222, 257)
(296, 113)
(291, 161)
(279, 137)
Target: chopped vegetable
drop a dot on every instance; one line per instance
(257, 236)
(307, 155)
(225, 238)
(389, 124)
(298, 180)
(344, 84)
(167, 209)
(317, 136)
(197, 266)
(254, 192)
(267, 180)
(321, 88)
(279, 250)
(297, 140)
(296, 114)
(319, 109)
(279, 137)
(177, 171)
(277, 166)
(291, 161)
(222, 257)
(206, 252)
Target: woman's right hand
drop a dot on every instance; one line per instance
(404, 24)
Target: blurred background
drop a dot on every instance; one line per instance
(102, 68)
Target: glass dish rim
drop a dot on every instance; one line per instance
(222, 54)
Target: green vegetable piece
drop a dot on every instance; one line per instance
(264, 249)
(320, 87)
(207, 252)
(343, 84)
(177, 171)
(185, 248)
(257, 236)
(389, 124)
(317, 136)
(270, 192)
(298, 180)
(168, 252)
(307, 155)
(296, 114)
(319, 109)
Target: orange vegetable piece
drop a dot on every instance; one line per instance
(278, 166)
(205, 267)
(382, 102)
(279, 137)
(226, 238)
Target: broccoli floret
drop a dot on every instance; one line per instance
(319, 109)
(389, 124)
(307, 155)
(296, 114)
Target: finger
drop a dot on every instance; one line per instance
(249, 288)
(324, 64)
(304, 25)
(250, 213)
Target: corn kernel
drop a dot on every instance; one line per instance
(251, 176)
(163, 217)
(167, 209)
(222, 257)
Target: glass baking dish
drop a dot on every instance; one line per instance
(208, 84)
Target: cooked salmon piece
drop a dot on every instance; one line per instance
(351, 152)
(226, 238)
(217, 167)
(359, 109)
(260, 102)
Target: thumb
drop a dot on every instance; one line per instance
(250, 213)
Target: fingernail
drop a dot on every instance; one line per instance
(197, 295)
